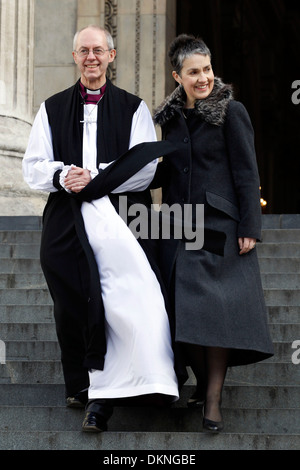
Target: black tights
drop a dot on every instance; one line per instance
(209, 364)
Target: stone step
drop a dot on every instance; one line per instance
(281, 236)
(36, 279)
(279, 250)
(279, 265)
(281, 221)
(38, 350)
(180, 443)
(25, 244)
(37, 394)
(20, 236)
(284, 314)
(19, 251)
(50, 372)
(265, 373)
(234, 396)
(44, 313)
(280, 280)
(24, 266)
(22, 281)
(32, 350)
(28, 331)
(282, 297)
(32, 250)
(25, 296)
(284, 332)
(26, 313)
(17, 223)
(41, 296)
(150, 419)
(46, 331)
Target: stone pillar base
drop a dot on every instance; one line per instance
(16, 198)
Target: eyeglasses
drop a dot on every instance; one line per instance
(85, 52)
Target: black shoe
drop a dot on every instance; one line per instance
(78, 401)
(212, 426)
(96, 416)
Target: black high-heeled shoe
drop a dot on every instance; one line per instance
(212, 426)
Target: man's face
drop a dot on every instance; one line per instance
(93, 66)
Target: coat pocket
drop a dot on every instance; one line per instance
(223, 205)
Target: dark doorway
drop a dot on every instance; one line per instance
(255, 45)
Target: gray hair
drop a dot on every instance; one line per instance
(109, 39)
(184, 46)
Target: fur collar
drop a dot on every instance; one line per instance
(211, 109)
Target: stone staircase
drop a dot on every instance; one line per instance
(261, 403)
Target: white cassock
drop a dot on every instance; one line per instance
(139, 358)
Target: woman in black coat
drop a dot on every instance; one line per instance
(220, 313)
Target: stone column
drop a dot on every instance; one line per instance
(16, 96)
(144, 28)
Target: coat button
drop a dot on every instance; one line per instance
(186, 169)
(186, 140)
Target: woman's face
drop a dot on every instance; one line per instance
(196, 77)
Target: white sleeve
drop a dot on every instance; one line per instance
(38, 163)
(142, 130)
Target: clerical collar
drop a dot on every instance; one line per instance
(91, 96)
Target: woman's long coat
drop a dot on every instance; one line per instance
(217, 293)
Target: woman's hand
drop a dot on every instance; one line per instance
(246, 244)
(77, 179)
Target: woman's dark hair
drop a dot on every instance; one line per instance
(184, 46)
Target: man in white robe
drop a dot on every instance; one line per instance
(69, 145)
